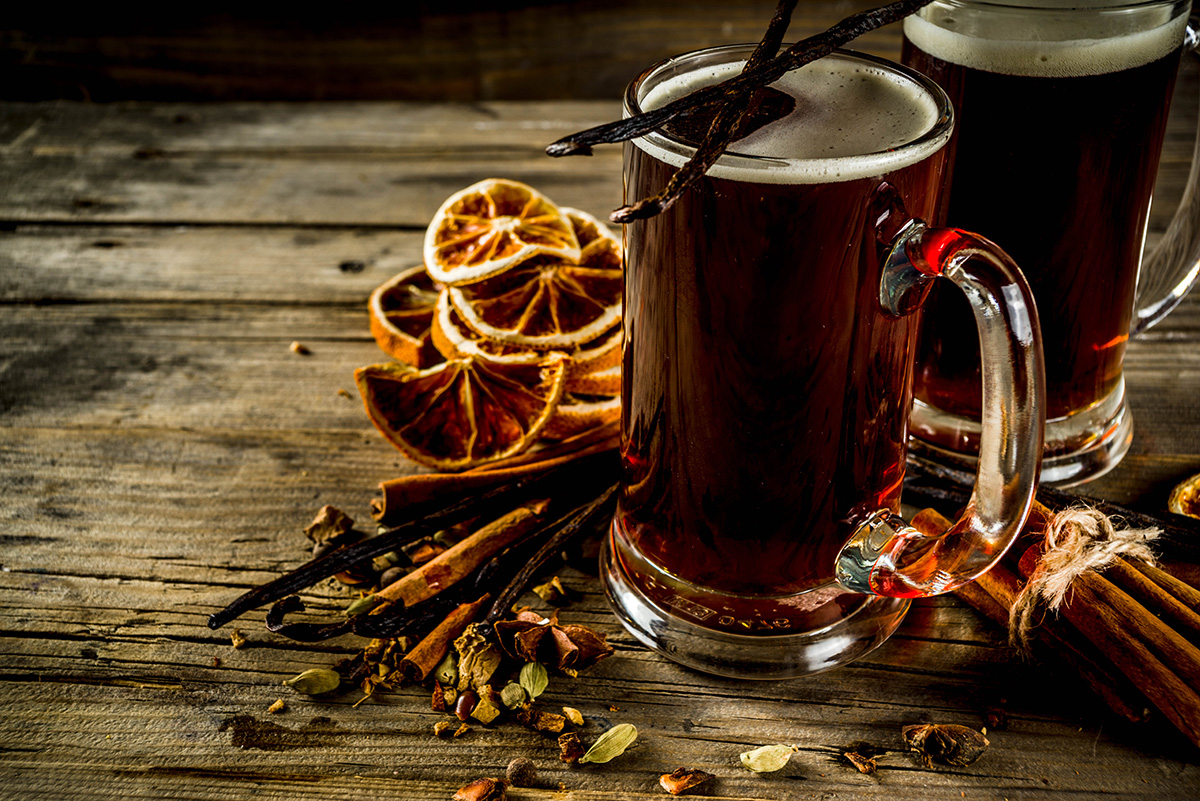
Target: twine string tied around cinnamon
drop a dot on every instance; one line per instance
(1077, 540)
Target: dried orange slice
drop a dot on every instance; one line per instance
(464, 412)
(491, 226)
(401, 316)
(578, 413)
(549, 302)
(589, 369)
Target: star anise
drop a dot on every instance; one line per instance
(533, 638)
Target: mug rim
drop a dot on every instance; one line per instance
(1067, 5)
(934, 139)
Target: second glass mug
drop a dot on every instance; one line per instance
(1061, 110)
(767, 374)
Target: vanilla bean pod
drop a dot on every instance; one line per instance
(797, 55)
(927, 484)
(396, 619)
(429, 523)
(725, 128)
(578, 521)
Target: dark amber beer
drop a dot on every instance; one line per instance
(1060, 123)
(767, 372)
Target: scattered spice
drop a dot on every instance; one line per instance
(483, 790)
(611, 744)
(533, 679)
(485, 710)
(277, 707)
(465, 703)
(300, 349)
(329, 523)
(343, 393)
(438, 702)
(442, 728)
(521, 772)
(513, 695)
(681, 780)
(573, 715)
(216, 661)
(949, 743)
(478, 658)
(767, 758)
(864, 764)
(552, 592)
(418, 663)
(359, 605)
(569, 648)
(447, 671)
(462, 729)
(315, 681)
(237, 638)
(570, 748)
(541, 721)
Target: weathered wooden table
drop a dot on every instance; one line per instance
(161, 449)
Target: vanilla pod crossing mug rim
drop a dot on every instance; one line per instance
(868, 164)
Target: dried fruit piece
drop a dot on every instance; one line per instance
(237, 639)
(442, 728)
(611, 744)
(401, 313)
(277, 707)
(573, 715)
(547, 302)
(591, 368)
(767, 758)
(576, 414)
(491, 226)
(464, 412)
(681, 780)
(949, 743)
(1185, 498)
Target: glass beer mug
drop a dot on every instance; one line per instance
(1061, 107)
(767, 375)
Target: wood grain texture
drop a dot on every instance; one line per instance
(419, 50)
(161, 450)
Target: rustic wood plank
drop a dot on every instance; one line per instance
(417, 50)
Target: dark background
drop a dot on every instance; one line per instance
(461, 50)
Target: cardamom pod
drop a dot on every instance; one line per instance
(611, 744)
(315, 681)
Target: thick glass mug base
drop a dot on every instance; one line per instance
(825, 627)
(1078, 448)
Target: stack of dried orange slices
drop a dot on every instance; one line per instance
(508, 333)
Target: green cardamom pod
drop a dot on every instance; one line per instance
(534, 679)
(768, 758)
(315, 681)
(611, 744)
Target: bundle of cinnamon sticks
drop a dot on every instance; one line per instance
(1131, 631)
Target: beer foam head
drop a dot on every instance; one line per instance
(853, 119)
(1046, 40)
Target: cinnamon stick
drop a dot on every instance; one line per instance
(1154, 596)
(401, 495)
(993, 595)
(418, 663)
(461, 559)
(1110, 628)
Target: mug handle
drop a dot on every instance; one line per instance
(885, 556)
(1173, 266)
